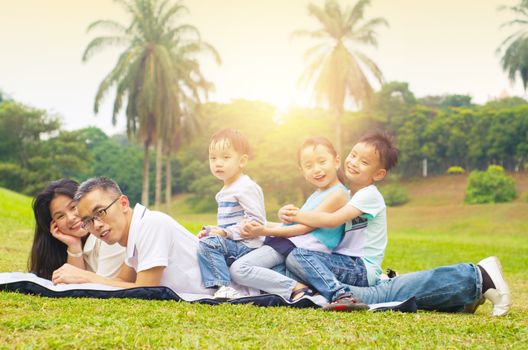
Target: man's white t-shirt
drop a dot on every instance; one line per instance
(156, 239)
(366, 235)
(103, 259)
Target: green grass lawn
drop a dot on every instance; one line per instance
(434, 228)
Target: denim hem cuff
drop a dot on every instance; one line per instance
(478, 280)
(215, 284)
(341, 294)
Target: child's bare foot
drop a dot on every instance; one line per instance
(299, 291)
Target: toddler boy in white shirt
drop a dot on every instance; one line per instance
(240, 199)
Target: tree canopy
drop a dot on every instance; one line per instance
(156, 75)
(336, 65)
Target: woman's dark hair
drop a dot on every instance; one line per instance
(48, 253)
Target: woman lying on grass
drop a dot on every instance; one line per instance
(59, 238)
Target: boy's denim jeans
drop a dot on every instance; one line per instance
(446, 288)
(215, 255)
(329, 274)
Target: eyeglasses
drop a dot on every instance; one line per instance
(87, 223)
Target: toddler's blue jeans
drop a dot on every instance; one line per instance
(215, 255)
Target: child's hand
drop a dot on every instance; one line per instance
(252, 229)
(287, 212)
(217, 231)
(204, 232)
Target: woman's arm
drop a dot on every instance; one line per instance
(77, 261)
(74, 246)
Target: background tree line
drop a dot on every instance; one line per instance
(34, 149)
(160, 88)
(447, 130)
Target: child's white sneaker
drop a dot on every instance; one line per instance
(227, 293)
(500, 295)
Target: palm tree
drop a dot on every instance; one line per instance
(188, 127)
(146, 72)
(335, 68)
(190, 88)
(514, 48)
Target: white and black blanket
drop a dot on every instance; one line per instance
(28, 283)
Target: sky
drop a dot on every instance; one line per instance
(437, 46)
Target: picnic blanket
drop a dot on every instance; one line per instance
(28, 283)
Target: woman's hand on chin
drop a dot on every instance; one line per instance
(73, 243)
(69, 274)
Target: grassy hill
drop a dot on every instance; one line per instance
(16, 222)
(434, 228)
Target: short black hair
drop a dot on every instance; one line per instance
(96, 183)
(383, 144)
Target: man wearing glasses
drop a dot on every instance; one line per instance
(159, 251)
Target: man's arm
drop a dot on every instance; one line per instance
(127, 277)
(77, 261)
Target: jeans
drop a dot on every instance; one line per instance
(215, 254)
(446, 288)
(329, 274)
(255, 270)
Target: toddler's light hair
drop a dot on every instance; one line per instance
(231, 137)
